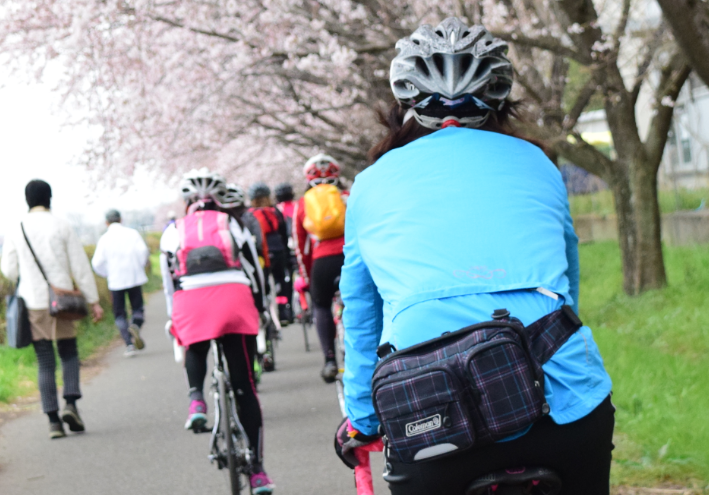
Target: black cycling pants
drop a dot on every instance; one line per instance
(324, 278)
(282, 275)
(580, 452)
(238, 351)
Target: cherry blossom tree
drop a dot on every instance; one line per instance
(631, 61)
(253, 87)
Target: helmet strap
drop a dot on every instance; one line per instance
(196, 206)
(410, 113)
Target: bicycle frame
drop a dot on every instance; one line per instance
(337, 308)
(221, 371)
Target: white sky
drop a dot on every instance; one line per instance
(35, 145)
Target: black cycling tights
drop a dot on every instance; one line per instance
(238, 351)
(280, 269)
(323, 284)
(580, 452)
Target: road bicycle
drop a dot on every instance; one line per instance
(229, 445)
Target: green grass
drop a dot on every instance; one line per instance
(18, 368)
(601, 203)
(656, 348)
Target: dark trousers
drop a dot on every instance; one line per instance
(46, 362)
(238, 351)
(281, 271)
(135, 297)
(324, 283)
(580, 452)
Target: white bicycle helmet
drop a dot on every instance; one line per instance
(321, 168)
(202, 184)
(232, 196)
(451, 72)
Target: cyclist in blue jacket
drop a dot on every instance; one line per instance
(459, 216)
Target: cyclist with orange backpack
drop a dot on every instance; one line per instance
(275, 246)
(318, 230)
(213, 288)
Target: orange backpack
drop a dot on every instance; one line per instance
(324, 212)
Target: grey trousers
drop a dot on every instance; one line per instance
(46, 361)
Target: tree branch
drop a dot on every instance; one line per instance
(179, 24)
(672, 79)
(690, 24)
(544, 42)
(650, 51)
(584, 96)
(583, 155)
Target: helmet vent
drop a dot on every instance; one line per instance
(438, 60)
(421, 66)
(465, 62)
(482, 69)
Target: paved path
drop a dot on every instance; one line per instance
(135, 444)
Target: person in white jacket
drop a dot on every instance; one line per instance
(64, 261)
(121, 256)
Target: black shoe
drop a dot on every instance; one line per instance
(56, 430)
(71, 417)
(285, 314)
(268, 363)
(329, 372)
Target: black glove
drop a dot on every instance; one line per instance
(347, 439)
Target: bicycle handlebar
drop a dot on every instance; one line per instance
(363, 471)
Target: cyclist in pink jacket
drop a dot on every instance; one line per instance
(214, 288)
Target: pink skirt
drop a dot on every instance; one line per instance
(211, 312)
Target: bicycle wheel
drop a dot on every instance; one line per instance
(271, 339)
(225, 413)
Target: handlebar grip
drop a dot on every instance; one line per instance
(363, 472)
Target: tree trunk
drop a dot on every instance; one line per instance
(650, 273)
(626, 232)
(638, 213)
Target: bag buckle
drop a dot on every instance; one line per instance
(573, 317)
(385, 349)
(500, 314)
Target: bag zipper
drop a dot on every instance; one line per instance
(449, 335)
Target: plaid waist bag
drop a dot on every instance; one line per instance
(466, 388)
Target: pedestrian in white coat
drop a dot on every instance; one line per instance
(121, 256)
(64, 261)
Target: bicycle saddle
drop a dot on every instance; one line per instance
(518, 481)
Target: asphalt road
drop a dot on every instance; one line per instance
(135, 443)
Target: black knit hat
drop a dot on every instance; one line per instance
(38, 193)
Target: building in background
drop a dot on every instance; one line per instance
(685, 163)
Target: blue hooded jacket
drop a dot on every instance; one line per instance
(443, 231)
